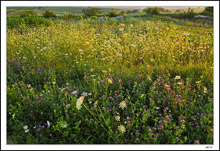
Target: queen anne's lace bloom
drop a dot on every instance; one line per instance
(79, 102)
(122, 105)
(177, 77)
(122, 129)
(117, 118)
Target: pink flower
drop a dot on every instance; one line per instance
(197, 142)
(149, 130)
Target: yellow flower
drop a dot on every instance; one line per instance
(79, 102)
(131, 25)
(117, 118)
(121, 128)
(123, 105)
(179, 82)
(109, 81)
(96, 103)
(166, 85)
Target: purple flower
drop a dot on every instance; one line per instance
(50, 134)
(177, 138)
(10, 105)
(149, 130)
(155, 136)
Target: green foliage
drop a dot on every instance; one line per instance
(161, 9)
(189, 14)
(48, 13)
(178, 11)
(137, 11)
(32, 21)
(93, 17)
(113, 13)
(208, 11)
(152, 11)
(27, 13)
(91, 11)
(66, 16)
(122, 13)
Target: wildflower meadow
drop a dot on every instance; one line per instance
(130, 81)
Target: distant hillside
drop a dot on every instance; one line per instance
(14, 11)
(61, 10)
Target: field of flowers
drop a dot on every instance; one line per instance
(145, 82)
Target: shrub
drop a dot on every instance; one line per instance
(91, 11)
(152, 11)
(66, 16)
(28, 13)
(48, 13)
(122, 13)
(208, 11)
(113, 14)
(189, 14)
